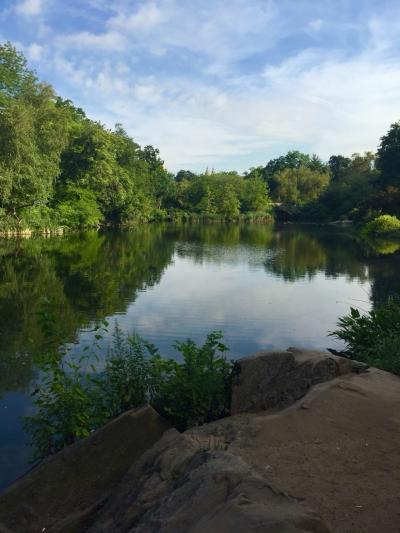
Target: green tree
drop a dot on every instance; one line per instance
(389, 156)
(338, 165)
(230, 203)
(292, 160)
(207, 204)
(301, 185)
(256, 197)
(15, 78)
(33, 137)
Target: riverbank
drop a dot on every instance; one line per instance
(317, 461)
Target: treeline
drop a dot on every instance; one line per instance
(357, 188)
(60, 169)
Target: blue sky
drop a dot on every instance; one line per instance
(227, 84)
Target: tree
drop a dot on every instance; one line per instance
(256, 197)
(389, 157)
(301, 185)
(15, 78)
(338, 165)
(292, 160)
(353, 187)
(33, 136)
(184, 175)
(207, 204)
(230, 204)
(161, 182)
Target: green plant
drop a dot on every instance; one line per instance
(74, 397)
(373, 337)
(197, 390)
(65, 399)
(382, 225)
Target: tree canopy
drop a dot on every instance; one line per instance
(59, 168)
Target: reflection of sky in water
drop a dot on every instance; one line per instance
(254, 308)
(238, 288)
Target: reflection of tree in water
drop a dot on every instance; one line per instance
(300, 253)
(295, 252)
(223, 243)
(384, 272)
(87, 277)
(94, 275)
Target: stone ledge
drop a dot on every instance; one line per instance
(277, 379)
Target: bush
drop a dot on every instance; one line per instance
(79, 209)
(196, 391)
(374, 337)
(383, 225)
(74, 398)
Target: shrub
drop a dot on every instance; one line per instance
(197, 390)
(79, 208)
(383, 225)
(74, 398)
(374, 337)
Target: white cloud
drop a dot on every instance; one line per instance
(29, 7)
(209, 84)
(110, 41)
(34, 52)
(315, 24)
(146, 17)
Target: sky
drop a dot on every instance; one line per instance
(224, 84)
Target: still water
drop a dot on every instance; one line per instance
(263, 287)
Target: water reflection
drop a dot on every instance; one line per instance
(263, 287)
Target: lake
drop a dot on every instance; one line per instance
(264, 287)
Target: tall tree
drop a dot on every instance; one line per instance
(389, 156)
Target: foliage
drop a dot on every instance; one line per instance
(383, 225)
(352, 187)
(389, 156)
(292, 160)
(222, 195)
(75, 398)
(57, 167)
(373, 337)
(52, 156)
(299, 186)
(78, 208)
(197, 390)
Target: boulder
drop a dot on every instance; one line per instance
(63, 491)
(182, 486)
(269, 380)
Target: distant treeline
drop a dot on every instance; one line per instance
(59, 169)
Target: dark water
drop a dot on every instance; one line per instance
(264, 287)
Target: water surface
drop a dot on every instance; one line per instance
(263, 287)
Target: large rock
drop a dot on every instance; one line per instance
(63, 491)
(270, 380)
(182, 485)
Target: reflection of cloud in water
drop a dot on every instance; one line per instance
(254, 309)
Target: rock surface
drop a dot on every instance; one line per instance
(269, 380)
(63, 490)
(334, 451)
(182, 486)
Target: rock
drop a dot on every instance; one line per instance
(180, 487)
(62, 492)
(358, 367)
(270, 380)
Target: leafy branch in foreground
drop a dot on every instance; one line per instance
(373, 337)
(74, 397)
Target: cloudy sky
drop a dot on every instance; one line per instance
(221, 83)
